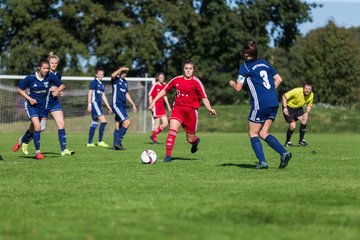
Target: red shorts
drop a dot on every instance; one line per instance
(158, 111)
(187, 116)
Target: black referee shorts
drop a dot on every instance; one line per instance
(294, 113)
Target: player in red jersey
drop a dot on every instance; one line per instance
(158, 111)
(189, 91)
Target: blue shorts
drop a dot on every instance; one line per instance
(120, 113)
(51, 107)
(33, 110)
(261, 115)
(96, 111)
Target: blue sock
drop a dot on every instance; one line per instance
(27, 137)
(62, 138)
(275, 144)
(116, 137)
(122, 133)
(101, 131)
(257, 147)
(92, 131)
(36, 135)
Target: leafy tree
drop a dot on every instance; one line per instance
(330, 57)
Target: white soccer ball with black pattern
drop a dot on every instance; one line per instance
(148, 157)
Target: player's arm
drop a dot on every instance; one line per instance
(26, 96)
(118, 71)
(128, 97)
(167, 103)
(208, 106)
(160, 95)
(104, 98)
(150, 99)
(90, 92)
(237, 86)
(57, 91)
(284, 103)
(278, 80)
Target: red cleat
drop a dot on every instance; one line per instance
(39, 156)
(16, 147)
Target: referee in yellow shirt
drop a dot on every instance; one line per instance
(293, 102)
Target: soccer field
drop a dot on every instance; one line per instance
(214, 194)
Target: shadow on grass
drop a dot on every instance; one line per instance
(184, 159)
(240, 165)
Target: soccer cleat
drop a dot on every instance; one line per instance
(118, 147)
(102, 144)
(167, 159)
(284, 160)
(288, 144)
(194, 146)
(24, 148)
(67, 152)
(39, 156)
(90, 145)
(303, 143)
(152, 139)
(16, 147)
(262, 165)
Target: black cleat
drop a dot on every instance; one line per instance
(167, 159)
(284, 160)
(118, 147)
(288, 144)
(262, 165)
(303, 143)
(194, 146)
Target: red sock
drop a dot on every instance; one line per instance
(170, 141)
(155, 134)
(196, 139)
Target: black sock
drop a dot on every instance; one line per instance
(302, 132)
(289, 134)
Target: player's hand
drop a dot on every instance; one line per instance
(61, 93)
(124, 68)
(89, 108)
(134, 109)
(32, 101)
(286, 111)
(232, 83)
(213, 112)
(110, 110)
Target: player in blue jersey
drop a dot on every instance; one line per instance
(53, 106)
(120, 95)
(96, 95)
(262, 81)
(38, 84)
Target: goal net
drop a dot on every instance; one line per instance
(13, 118)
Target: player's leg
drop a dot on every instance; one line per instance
(103, 123)
(60, 123)
(24, 140)
(155, 132)
(171, 137)
(122, 123)
(123, 129)
(164, 123)
(37, 129)
(303, 124)
(253, 131)
(43, 124)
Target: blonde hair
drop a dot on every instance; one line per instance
(53, 56)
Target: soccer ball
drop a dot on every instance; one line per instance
(148, 157)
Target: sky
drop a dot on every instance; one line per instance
(344, 13)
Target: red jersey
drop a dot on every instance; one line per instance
(188, 92)
(154, 91)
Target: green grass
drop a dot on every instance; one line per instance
(213, 194)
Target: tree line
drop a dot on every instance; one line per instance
(155, 35)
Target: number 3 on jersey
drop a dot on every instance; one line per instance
(265, 78)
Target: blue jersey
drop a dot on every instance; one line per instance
(50, 99)
(259, 76)
(120, 88)
(38, 88)
(98, 88)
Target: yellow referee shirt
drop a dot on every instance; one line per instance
(296, 98)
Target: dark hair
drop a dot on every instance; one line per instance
(250, 50)
(43, 61)
(308, 83)
(158, 75)
(188, 61)
(98, 70)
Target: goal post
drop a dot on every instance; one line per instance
(74, 102)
